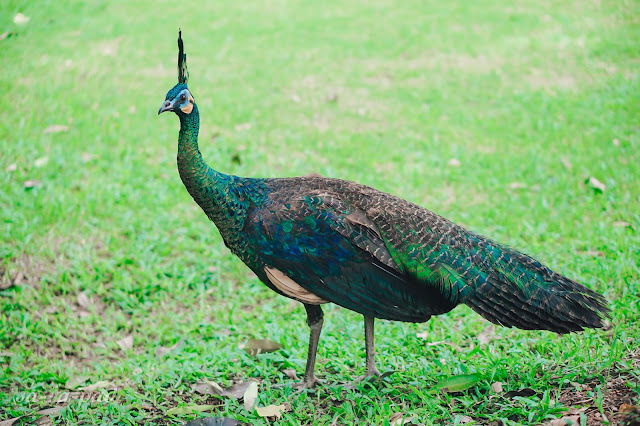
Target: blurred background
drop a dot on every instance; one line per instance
(519, 121)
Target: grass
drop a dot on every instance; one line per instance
(103, 242)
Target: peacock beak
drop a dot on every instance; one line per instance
(166, 106)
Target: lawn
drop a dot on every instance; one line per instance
(118, 298)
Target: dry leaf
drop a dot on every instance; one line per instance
(32, 183)
(496, 387)
(20, 19)
(125, 343)
(399, 419)
(4, 35)
(86, 157)
(295, 98)
(271, 411)
(83, 300)
(626, 408)
(250, 396)
(257, 346)
(615, 142)
(566, 163)
(291, 373)
(213, 421)
(423, 335)
(237, 391)
(162, 350)
(102, 384)
(75, 381)
(454, 162)
(622, 224)
(42, 161)
(56, 128)
(595, 184)
(592, 253)
(487, 335)
(517, 185)
(11, 167)
(243, 126)
(567, 420)
(465, 420)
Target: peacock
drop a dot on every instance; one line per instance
(320, 240)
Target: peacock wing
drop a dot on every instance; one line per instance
(333, 250)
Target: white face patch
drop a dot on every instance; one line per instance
(292, 288)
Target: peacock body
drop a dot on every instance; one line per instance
(319, 240)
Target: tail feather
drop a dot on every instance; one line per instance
(562, 307)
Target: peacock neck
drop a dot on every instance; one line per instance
(216, 193)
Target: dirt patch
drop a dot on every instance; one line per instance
(618, 398)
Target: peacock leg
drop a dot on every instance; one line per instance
(314, 320)
(368, 341)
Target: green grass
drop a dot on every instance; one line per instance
(532, 99)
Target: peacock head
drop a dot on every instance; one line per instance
(179, 99)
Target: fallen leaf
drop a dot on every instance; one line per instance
(423, 335)
(291, 373)
(257, 346)
(517, 185)
(42, 161)
(11, 167)
(20, 19)
(458, 383)
(496, 387)
(271, 411)
(626, 408)
(86, 157)
(4, 35)
(213, 421)
(243, 126)
(465, 419)
(454, 162)
(163, 350)
(567, 420)
(125, 343)
(566, 163)
(75, 381)
(399, 419)
(50, 411)
(188, 409)
(333, 98)
(487, 335)
(32, 183)
(250, 396)
(526, 392)
(595, 184)
(622, 224)
(102, 384)
(83, 300)
(56, 128)
(592, 253)
(209, 387)
(615, 142)
(295, 98)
